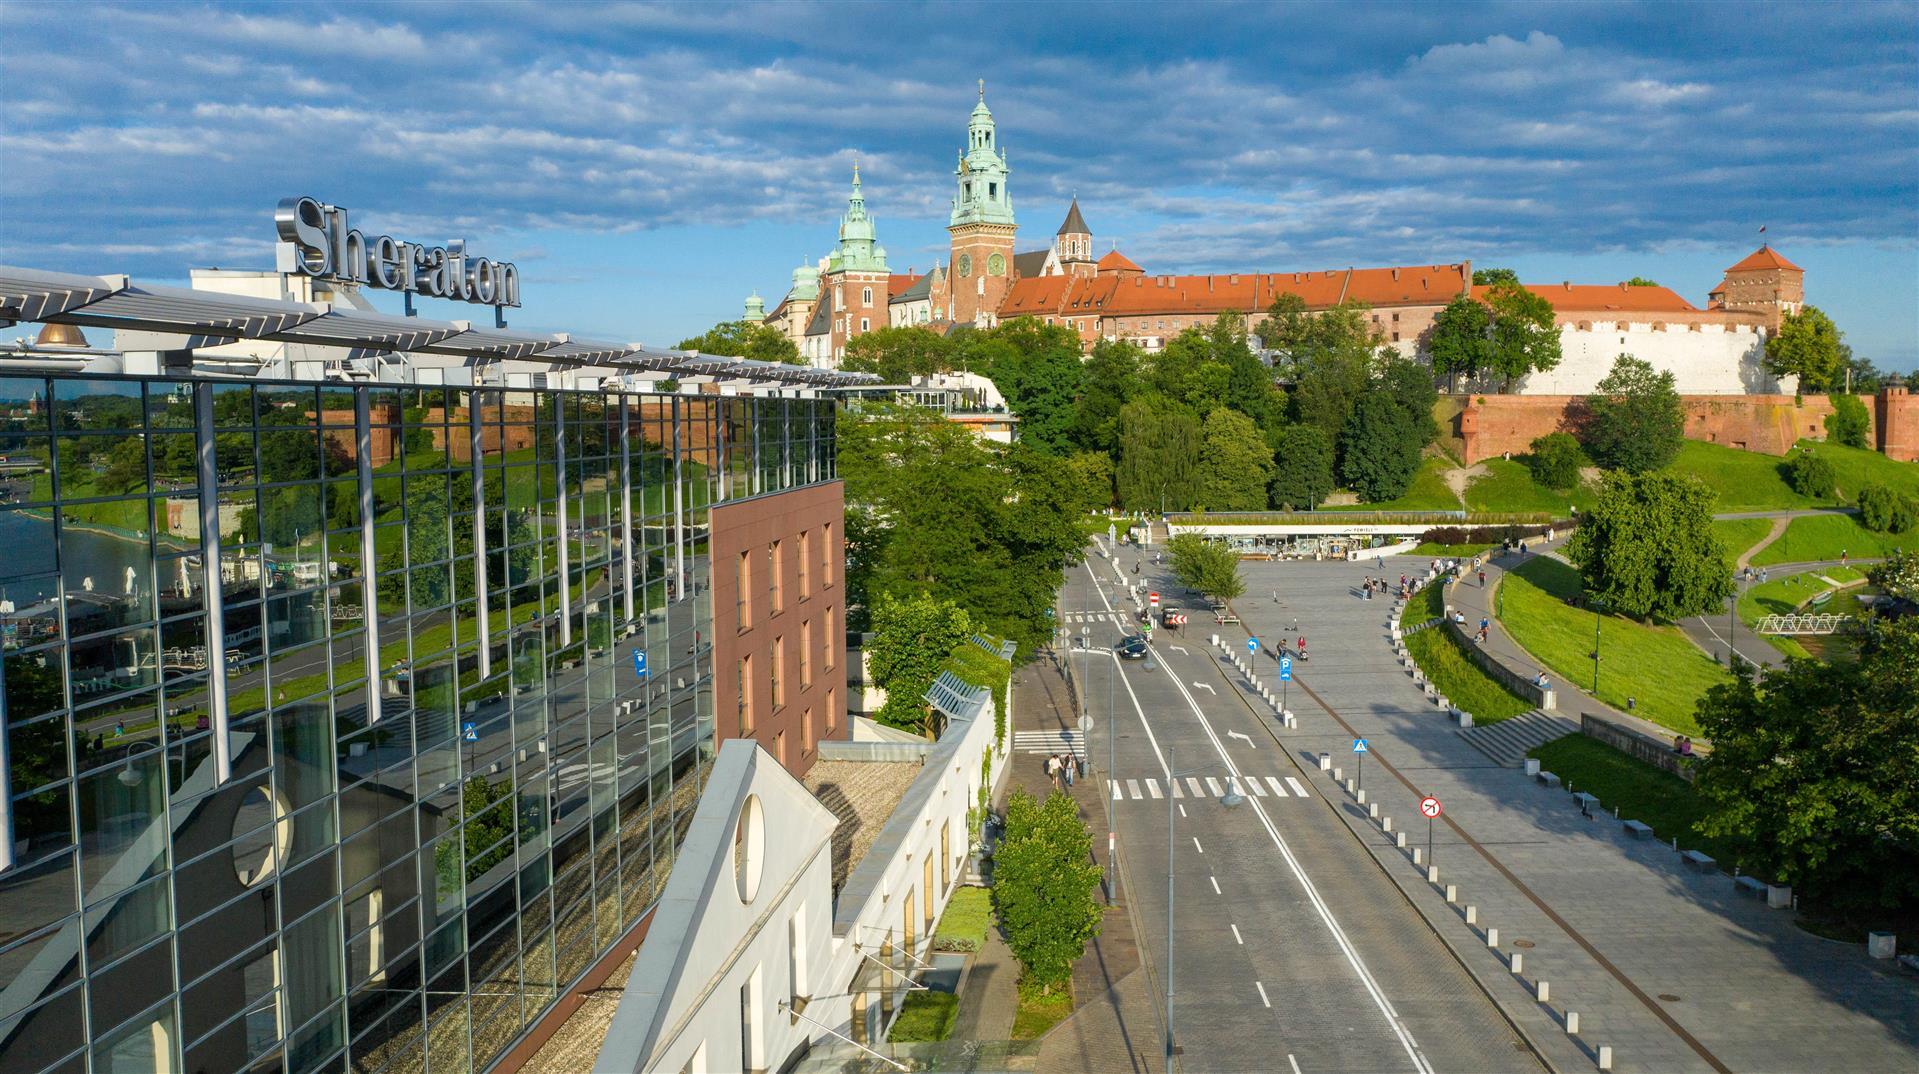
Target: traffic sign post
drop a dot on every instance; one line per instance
(1359, 761)
(1252, 646)
(1285, 678)
(1430, 807)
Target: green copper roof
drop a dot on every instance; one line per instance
(981, 195)
(755, 307)
(858, 249)
(806, 284)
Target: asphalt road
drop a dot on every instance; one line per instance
(1293, 950)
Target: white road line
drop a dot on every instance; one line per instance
(1177, 793)
(1236, 936)
(1182, 811)
(1297, 789)
(1152, 788)
(1252, 784)
(1312, 893)
(1213, 785)
(1248, 738)
(1196, 845)
(1208, 689)
(1267, 1002)
(1117, 797)
(1181, 649)
(1193, 782)
(1215, 881)
(1278, 787)
(1132, 789)
(1289, 1055)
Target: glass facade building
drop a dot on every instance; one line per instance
(346, 725)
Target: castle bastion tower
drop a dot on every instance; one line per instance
(982, 226)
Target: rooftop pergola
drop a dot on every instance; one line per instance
(209, 318)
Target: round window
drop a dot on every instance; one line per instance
(749, 841)
(262, 835)
(996, 265)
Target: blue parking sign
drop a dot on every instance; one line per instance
(1285, 669)
(639, 662)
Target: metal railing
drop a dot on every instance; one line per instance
(1826, 623)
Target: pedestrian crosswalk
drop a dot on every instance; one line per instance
(1092, 617)
(1207, 787)
(1050, 742)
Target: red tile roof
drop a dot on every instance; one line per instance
(898, 282)
(1140, 296)
(1764, 258)
(1599, 297)
(1118, 262)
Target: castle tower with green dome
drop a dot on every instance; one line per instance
(854, 289)
(981, 225)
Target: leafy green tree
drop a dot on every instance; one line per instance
(1235, 465)
(1410, 384)
(1093, 472)
(1641, 281)
(1111, 377)
(1886, 510)
(1303, 468)
(1898, 575)
(1865, 378)
(1556, 460)
(1333, 366)
(1808, 345)
(1634, 422)
(1811, 475)
(1848, 424)
(1460, 343)
(1159, 454)
(1204, 367)
(1525, 337)
(1814, 776)
(1487, 277)
(745, 339)
(1379, 448)
(911, 639)
(1206, 566)
(126, 465)
(1037, 367)
(1043, 884)
(1647, 547)
(898, 354)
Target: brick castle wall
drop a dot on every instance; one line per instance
(1897, 425)
(1492, 425)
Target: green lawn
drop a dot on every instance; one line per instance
(968, 914)
(1038, 1013)
(925, 1016)
(1821, 537)
(1429, 549)
(1744, 480)
(1509, 486)
(1740, 534)
(1654, 664)
(1428, 603)
(1859, 467)
(1641, 792)
(1782, 596)
(1428, 492)
(1446, 663)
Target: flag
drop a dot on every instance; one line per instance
(1762, 229)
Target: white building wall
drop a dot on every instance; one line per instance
(1705, 359)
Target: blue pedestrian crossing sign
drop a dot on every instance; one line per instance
(1285, 669)
(470, 731)
(639, 662)
(1252, 646)
(1359, 745)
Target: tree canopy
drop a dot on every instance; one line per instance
(1848, 424)
(1235, 463)
(1036, 366)
(1808, 345)
(897, 355)
(1159, 454)
(1043, 883)
(1486, 277)
(1111, 376)
(1555, 461)
(1648, 550)
(911, 639)
(1641, 281)
(1303, 468)
(1206, 567)
(745, 339)
(1461, 340)
(1525, 337)
(1634, 422)
(1379, 447)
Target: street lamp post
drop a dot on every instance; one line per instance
(1599, 605)
(1232, 798)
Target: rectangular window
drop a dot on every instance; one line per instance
(832, 710)
(743, 581)
(796, 946)
(806, 732)
(832, 636)
(865, 325)
(779, 664)
(806, 565)
(743, 686)
(773, 572)
(806, 654)
(826, 556)
(779, 747)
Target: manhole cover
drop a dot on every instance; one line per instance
(1522, 943)
(1669, 997)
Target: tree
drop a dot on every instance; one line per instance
(1848, 423)
(1525, 337)
(1487, 277)
(1461, 339)
(1410, 384)
(1111, 377)
(1303, 468)
(911, 639)
(1204, 367)
(1862, 376)
(1159, 453)
(1093, 472)
(1235, 464)
(745, 339)
(1208, 568)
(1036, 366)
(1556, 461)
(1811, 475)
(1885, 510)
(1648, 550)
(897, 355)
(1379, 448)
(1635, 422)
(1641, 281)
(1898, 575)
(1814, 776)
(1043, 883)
(1807, 345)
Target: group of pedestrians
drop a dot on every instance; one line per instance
(1063, 768)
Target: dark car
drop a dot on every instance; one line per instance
(1132, 647)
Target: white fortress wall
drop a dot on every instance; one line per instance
(1705, 359)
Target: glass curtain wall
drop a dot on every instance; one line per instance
(451, 649)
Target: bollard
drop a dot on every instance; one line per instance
(1385, 824)
(1373, 811)
(1492, 937)
(1452, 893)
(1325, 761)
(1472, 915)
(1605, 1057)
(1572, 1023)
(1432, 874)
(1545, 992)
(1360, 796)
(1519, 963)
(1416, 853)
(1216, 639)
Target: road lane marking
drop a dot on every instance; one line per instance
(1253, 782)
(1152, 788)
(1177, 793)
(1263, 999)
(1181, 649)
(1196, 845)
(1182, 811)
(1297, 789)
(1213, 785)
(1208, 689)
(1236, 936)
(1193, 782)
(1289, 1055)
(1132, 789)
(1278, 787)
(1117, 797)
(1215, 881)
(1248, 738)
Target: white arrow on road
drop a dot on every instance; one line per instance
(1248, 738)
(1181, 649)
(1203, 686)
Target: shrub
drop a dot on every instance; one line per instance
(1556, 460)
(1811, 475)
(1885, 510)
(1848, 423)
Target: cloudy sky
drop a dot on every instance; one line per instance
(647, 166)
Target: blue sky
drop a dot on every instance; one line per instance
(647, 166)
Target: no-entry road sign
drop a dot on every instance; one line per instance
(1429, 807)
(1154, 597)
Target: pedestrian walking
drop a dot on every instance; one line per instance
(1482, 579)
(1068, 771)
(1052, 769)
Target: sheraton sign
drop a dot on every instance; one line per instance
(315, 240)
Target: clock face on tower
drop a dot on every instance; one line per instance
(966, 264)
(996, 265)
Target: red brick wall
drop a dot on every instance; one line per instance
(816, 610)
(1494, 424)
(1898, 424)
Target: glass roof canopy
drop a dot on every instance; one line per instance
(212, 318)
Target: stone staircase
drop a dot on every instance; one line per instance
(1508, 741)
